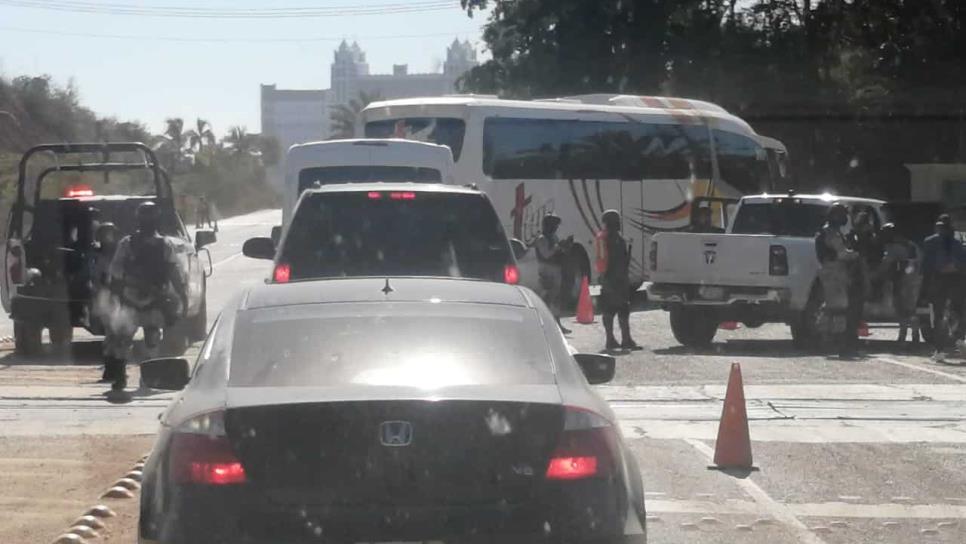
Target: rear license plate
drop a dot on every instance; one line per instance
(711, 292)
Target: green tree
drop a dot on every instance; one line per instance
(344, 117)
(239, 142)
(201, 136)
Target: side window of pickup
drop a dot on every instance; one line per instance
(870, 211)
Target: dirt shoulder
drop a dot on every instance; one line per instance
(48, 482)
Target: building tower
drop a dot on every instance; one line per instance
(349, 63)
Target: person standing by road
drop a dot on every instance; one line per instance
(149, 289)
(840, 279)
(551, 253)
(702, 222)
(203, 216)
(613, 261)
(942, 268)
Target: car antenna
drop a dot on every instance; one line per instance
(388, 288)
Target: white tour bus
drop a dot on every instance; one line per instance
(578, 156)
(363, 160)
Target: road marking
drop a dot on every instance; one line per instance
(226, 259)
(935, 372)
(821, 509)
(774, 508)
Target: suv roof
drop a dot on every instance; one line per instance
(393, 186)
(371, 289)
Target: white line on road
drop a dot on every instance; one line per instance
(923, 369)
(226, 259)
(822, 509)
(774, 508)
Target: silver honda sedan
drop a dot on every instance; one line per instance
(401, 409)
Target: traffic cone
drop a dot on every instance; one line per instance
(863, 331)
(585, 308)
(728, 325)
(732, 449)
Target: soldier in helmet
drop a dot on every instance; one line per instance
(551, 253)
(613, 261)
(943, 266)
(149, 290)
(840, 278)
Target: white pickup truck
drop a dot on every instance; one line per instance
(763, 269)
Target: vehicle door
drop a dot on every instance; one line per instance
(195, 262)
(14, 260)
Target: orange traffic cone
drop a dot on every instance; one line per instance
(863, 331)
(585, 308)
(732, 449)
(728, 325)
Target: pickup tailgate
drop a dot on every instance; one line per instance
(718, 259)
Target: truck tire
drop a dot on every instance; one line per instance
(27, 338)
(175, 339)
(692, 327)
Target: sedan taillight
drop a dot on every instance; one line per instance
(587, 447)
(201, 453)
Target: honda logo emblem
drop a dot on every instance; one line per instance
(396, 433)
(709, 256)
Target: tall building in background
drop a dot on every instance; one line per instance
(298, 116)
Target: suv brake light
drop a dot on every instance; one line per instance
(777, 261)
(587, 447)
(511, 274)
(202, 454)
(282, 273)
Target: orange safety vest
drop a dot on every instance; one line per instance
(600, 251)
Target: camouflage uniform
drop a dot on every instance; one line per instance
(837, 276)
(148, 291)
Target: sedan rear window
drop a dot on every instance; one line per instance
(396, 233)
(422, 345)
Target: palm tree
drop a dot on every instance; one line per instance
(345, 116)
(201, 136)
(172, 142)
(240, 142)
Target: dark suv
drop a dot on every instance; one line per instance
(391, 229)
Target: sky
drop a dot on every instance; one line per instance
(147, 67)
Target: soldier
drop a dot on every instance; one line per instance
(840, 278)
(942, 268)
(702, 222)
(149, 292)
(613, 260)
(203, 217)
(551, 252)
(897, 275)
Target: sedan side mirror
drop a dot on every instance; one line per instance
(597, 368)
(204, 238)
(171, 373)
(259, 248)
(519, 248)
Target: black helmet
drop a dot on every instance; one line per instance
(148, 216)
(838, 214)
(611, 218)
(550, 222)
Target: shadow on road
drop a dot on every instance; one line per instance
(82, 353)
(785, 348)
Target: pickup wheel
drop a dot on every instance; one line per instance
(693, 327)
(61, 335)
(27, 337)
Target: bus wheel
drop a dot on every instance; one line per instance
(578, 266)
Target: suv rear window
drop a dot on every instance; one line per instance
(390, 233)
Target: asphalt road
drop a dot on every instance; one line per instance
(864, 450)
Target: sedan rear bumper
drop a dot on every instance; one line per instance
(589, 511)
